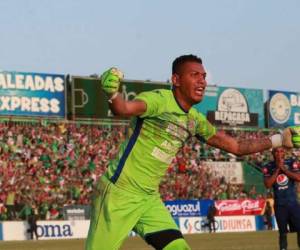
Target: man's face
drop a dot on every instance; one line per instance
(190, 82)
(278, 154)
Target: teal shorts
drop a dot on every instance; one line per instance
(116, 212)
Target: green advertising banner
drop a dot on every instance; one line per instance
(89, 101)
(226, 106)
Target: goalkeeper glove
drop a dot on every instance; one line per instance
(110, 80)
(290, 137)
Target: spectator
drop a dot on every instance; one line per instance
(268, 216)
(32, 222)
(10, 204)
(282, 174)
(3, 210)
(211, 218)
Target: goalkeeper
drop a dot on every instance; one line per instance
(126, 197)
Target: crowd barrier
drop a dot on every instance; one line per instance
(78, 229)
(190, 216)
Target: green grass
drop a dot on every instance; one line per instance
(221, 241)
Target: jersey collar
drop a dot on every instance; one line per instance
(185, 111)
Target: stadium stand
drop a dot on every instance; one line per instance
(48, 165)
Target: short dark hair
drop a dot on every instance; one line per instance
(179, 61)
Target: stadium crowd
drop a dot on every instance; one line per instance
(45, 166)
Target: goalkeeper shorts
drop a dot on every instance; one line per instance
(116, 212)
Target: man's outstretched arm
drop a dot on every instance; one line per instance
(289, 138)
(239, 146)
(124, 108)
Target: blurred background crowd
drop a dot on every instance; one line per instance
(45, 166)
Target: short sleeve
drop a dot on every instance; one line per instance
(154, 101)
(266, 170)
(294, 166)
(205, 129)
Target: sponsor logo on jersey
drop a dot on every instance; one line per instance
(295, 165)
(282, 180)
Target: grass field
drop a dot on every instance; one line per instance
(221, 241)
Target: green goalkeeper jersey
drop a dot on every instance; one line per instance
(157, 136)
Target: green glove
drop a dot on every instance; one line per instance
(291, 137)
(295, 130)
(110, 80)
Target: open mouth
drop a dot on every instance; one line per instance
(199, 91)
